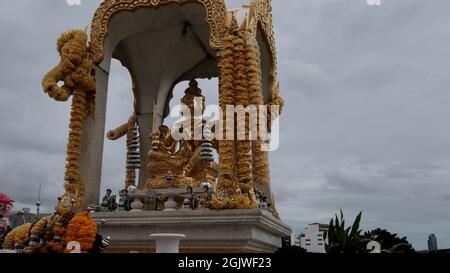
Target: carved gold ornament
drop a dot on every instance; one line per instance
(261, 15)
(216, 14)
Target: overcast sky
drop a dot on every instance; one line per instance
(366, 125)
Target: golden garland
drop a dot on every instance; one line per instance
(75, 71)
(19, 235)
(40, 226)
(74, 185)
(91, 104)
(244, 162)
(118, 133)
(254, 74)
(234, 91)
(277, 101)
(22, 234)
(226, 97)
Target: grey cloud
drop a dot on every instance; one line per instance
(446, 196)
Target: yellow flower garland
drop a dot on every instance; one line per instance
(75, 71)
(244, 163)
(254, 74)
(19, 235)
(226, 97)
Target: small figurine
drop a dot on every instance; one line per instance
(190, 197)
(187, 205)
(108, 203)
(258, 198)
(206, 198)
(124, 201)
(264, 202)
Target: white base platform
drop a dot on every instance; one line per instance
(207, 231)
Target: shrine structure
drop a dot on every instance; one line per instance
(163, 43)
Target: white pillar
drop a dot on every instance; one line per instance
(167, 242)
(93, 140)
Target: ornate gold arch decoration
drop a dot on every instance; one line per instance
(261, 17)
(216, 14)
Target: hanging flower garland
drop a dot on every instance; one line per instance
(234, 90)
(254, 74)
(18, 238)
(278, 102)
(226, 97)
(244, 162)
(83, 230)
(74, 71)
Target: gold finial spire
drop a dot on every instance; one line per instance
(193, 89)
(234, 23)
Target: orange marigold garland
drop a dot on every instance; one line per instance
(57, 244)
(82, 229)
(75, 70)
(52, 233)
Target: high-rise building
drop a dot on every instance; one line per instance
(432, 243)
(313, 239)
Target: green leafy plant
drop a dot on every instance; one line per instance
(390, 242)
(341, 239)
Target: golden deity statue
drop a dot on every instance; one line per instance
(182, 157)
